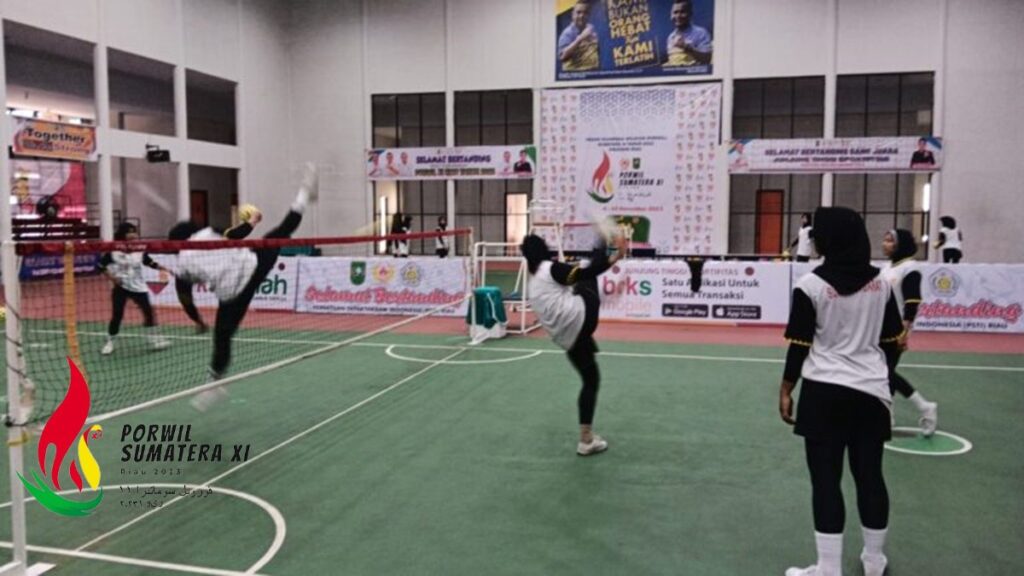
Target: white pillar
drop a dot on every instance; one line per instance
(181, 131)
(725, 58)
(832, 54)
(19, 554)
(449, 116)
(938, 128)
(101, 91)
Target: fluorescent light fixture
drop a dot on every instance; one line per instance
(383, 211)
(924, 238)
(926, 200)
(23, 113)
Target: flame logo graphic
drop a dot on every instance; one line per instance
(601, 184)
(61, 432)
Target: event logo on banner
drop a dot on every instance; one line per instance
(895, 154)
(645, 156)
(633, 38)
(393, 286)
(730, 292)
(54, 140)
(469, 163)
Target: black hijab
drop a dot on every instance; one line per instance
(906, 245)
(948, 222)
(840, 236)
(535, 250)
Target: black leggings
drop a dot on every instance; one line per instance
(230, 314)
(825, 462)
(951, 255)
(898, 383)
(119, 297)
(582, 355)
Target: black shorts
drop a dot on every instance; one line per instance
(834, 412)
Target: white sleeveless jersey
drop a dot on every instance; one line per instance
(126, 268)
(953, 239)
(846, 347)
(560, 311)
(804, 242)
(224, 272)
(894, 275)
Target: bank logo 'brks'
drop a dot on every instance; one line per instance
(64, 431)
(601, 189)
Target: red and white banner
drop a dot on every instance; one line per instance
(730, 292)
(53, 140)
(381, 285)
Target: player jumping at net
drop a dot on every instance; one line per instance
(125, 270)
(567, 303)
(233, 275)
(899, 246)
(844, 332)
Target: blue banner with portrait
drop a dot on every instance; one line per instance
(633, 38)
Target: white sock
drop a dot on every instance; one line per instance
(301, 201)
(918, 400)
(830, 554)
(874, 541)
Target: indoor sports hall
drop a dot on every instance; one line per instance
(375, 287)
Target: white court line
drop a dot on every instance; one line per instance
(275, 448)
(280, 528)
(740, 359)
(677, 356)
(390, 352)
(171, 566)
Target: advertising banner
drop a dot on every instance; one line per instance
(380, 285)
(810, 155)
(54, 139)
(633, 38)
(972, 298)
(645, 156)
(466, 163)
(730, 292)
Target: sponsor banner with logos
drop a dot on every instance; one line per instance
(645, 156)
(469, 162)
(972, 298)
(730, 292)
(46, 266)
(809, 155)
(277, 292)
(380, 285)
(53, 139)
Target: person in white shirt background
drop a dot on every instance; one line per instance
(803, 242)
(844, 332)
(567, 303)
(950, 241)
(441, 242)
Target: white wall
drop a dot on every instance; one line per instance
(212, 37)
(767, 45)
(147, 192)
(492, 45)
(405, 45)
(983, 179)
(883, 36)
(151, 28)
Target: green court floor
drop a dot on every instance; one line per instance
(409, 454)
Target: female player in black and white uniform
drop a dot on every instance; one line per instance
(441, 242)
(125, 270)
(233, 275)
(567, 303)
(844, 331)
(803, 241)
(899, 246)
(951, 241)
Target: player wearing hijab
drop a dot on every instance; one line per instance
(844, 331)
(803, 241)
(233, 275)
(125, 270)
(566, 301)
(899, 246)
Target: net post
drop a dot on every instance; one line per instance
(70, 308)
(16, 435)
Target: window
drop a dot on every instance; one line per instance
(779, 108)
(141, 94)
(885, 105)
(410, 121)
(494, 208)
(774, 108)
(211, 108)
